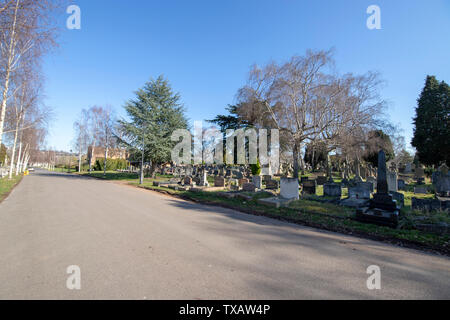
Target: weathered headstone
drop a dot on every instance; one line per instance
(359, 192)
(272, 185)
(238, 175)
(309, 186)
(321, 180)
(257, 181)
(420, 190)
(419, 175)
(441, 181)
(249, 187)
(401, 184)
(430, 204)
(187, 181)
(399, 198)
(392, 181)
(203, 179)
(242, 181)
(373, 181)
(289, 188)
(332, 190)
(366, 185)
(219, 182)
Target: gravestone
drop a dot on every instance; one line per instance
(392, 181)
(399, 198)
(383, 210)
(430, 204)
(332, 190)
(309, 187)
(358, 196)
(359, 192)
(266, 178)
(203, 179)
(321, 180)
(401, 184)
(366, 185)
(289, 188)
(303, 179)
(441, 181)
(239, 175)
(242, 181)
(257, 181)
(187, 181)
(364, 172)
(249, 187)
(272, 185)
(266, 170)
(420, 190)
(373, 181)
(419, 175)
(219, 182)
(357, 177)
(196, 181)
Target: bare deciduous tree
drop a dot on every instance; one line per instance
(307, 101)
(26, 33)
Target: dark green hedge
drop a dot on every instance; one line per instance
(111, 164)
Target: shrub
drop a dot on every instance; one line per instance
(111, 164)
(256, 169)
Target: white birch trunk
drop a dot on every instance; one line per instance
(11, 52)
(13, 151)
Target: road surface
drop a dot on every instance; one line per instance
(131, 243)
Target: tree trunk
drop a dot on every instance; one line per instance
(106, 155)
(79, 159)
(11, 52)
(90, 158)
(295, 152)
(13, 151)
(18, 158)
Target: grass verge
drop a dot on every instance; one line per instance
(7, 185)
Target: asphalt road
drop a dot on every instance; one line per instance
(136, 244)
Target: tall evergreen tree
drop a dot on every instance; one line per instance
(155, 114)
(432, 123)
(231, 121)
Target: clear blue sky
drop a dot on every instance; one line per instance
(205, 49)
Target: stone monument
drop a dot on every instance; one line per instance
(383, 209)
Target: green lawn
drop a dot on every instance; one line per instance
(7, 185)
(125, 176)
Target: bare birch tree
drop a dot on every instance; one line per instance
(26, 33)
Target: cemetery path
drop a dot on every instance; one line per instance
(135, 244)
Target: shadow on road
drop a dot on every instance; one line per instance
(278, 238)
(51, 174)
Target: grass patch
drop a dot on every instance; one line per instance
(123, 176)
(6, 185)
(310, 206)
